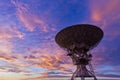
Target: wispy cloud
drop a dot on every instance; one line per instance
(50, 75)
(109, 71)
(29, 20)
(48, 61)
(7, 33)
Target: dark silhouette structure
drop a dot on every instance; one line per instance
(77, 40)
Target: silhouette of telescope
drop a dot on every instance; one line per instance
(77, 40)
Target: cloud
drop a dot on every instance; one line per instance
(6, 34)
(30, 20)
(49, 60)
(14, 67)
(50, 75)
(8, 58)
(109, 71)
(105, 12)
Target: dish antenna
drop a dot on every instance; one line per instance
(78, 40)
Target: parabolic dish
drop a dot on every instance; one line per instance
(81, 35)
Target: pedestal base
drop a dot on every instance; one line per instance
(83, 72)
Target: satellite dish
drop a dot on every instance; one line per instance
(81, 35)
(78, 40)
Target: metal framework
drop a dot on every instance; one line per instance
(83, 62)
(78, 40)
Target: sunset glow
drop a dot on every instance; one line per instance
(28, 28)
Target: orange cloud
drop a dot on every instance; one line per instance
(46, 61)
(50, 61)
(8, 58)
(27, 18)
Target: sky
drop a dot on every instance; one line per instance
(28, 27)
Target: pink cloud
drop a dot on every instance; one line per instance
(105, 12)
(6, 33)
(30, 20)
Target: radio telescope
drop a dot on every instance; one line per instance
(77, 40)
